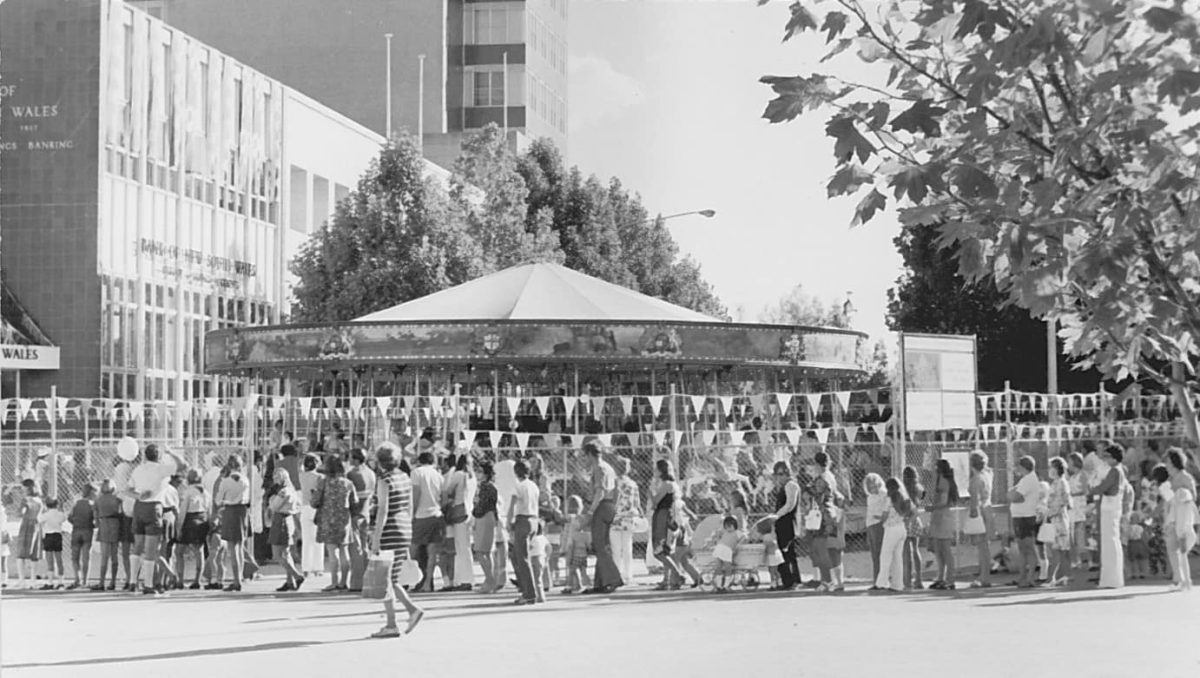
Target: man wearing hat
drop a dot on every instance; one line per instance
(603, 511)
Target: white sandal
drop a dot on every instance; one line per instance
(387, 632)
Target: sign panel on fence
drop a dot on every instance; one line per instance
(22, 357)
(939, 381)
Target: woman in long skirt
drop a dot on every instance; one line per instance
(1112, 555)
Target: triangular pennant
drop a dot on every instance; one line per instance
(656, 402)
(698, 403)
(851, 433)
(383, 404)
(873, 395)
(880, 430)
(523, 440)
(577, 439)
(727, 405)
(844, 399)
(822, 435)
(435, 402)
(514, 404)
(356, 404)
(23, 405)
(330, 402)
(626, 404)
(660, 437)
(814, 402)
(305, 407)
(569, 404)
(494, 438)
(543, 405)
(605, 438)
(759, 402)
(485, 404)
(784, 400)
(793, 435)
(707, 436)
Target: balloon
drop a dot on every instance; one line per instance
(127, 448)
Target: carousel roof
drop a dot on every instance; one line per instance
(541, 291)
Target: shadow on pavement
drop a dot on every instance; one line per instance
(241, 649)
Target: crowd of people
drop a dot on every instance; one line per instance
(451, 511)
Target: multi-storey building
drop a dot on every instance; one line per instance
(152, 189)
(484, 61)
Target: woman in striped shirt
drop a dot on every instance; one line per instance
(393, 532)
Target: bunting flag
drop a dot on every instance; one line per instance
(759, 402)
(330, 402)
(660, 437)
(726, 405)
(656, 402)
(707, 436)
(605, 439)
(23, 406)
(822, 435)
(543, 405)
(698, 403)
(514, 404)
(485, 405)
(494, 438)
(873, 396)
(356, 404)
(814, 402)
(983, 404)
(785, 401)
(569, 404)
(844, 398)
(435, 402)
(523, 440)
(577, 439)
(880, 431)
(383, 404)
(793, 435)
(851, 433)
(626, 404)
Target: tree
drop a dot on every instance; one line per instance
(932, 297)
(492, 198)
(393, 239)
(1049, 143)
(798, 307)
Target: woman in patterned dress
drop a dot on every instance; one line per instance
(393, 532)
(334, 498)
(1058, 512)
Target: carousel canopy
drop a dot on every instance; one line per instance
(540, 291)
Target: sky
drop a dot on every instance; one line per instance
(664, 95)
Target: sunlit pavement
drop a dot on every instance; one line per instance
(1139, 631)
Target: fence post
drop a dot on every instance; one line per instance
(1008, 439)
(53, 407)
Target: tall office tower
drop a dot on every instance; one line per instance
(483, 61)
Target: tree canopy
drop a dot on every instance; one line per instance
(401, 235)
(1052, 144)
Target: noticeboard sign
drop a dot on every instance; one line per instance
(25, 357)
(939, 381)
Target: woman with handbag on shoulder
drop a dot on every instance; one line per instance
(981, 521)
(942, 529)
(1058, 515)
(456, 491)
(914, 528)
(829, 538)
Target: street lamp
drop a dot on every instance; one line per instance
(707, 214)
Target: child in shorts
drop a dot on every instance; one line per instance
(52, 521)
(574, 547)
(1138, 549)
(539, 555)
(724, 551)
(108, 520)
(83, 526)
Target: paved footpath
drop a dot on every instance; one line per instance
(1139, 631)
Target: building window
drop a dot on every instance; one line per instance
(495, 25)
(489, 88)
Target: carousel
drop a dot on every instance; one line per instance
(530, 351)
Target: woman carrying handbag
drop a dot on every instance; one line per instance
(980, 523)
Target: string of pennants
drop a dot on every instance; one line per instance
(1080, 403)
(334, 407)
(1127, 429)
(823, 435)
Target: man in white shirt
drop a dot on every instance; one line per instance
(120, 483)
(1024, 498)
(506, 483)
(522, 517)
(428, 526)
(149, 483)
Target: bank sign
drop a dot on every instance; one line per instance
(23, 357)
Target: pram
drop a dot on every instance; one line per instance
(748, 559)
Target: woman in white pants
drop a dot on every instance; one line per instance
(312, 554)
(1112, 554)
(891, 552)
(460, 494)
(629, 509)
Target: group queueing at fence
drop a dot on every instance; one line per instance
(436, 510)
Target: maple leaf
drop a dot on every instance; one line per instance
(848, 140)
(916, 180)
(924, 215)
(847, 179)
(874, 202)
(796, 94)
(920, 117)
(802, 20)
(1162, 19)
(1179, 85)
(835, 23)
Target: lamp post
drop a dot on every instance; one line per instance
(387, 123)
(707, 214)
